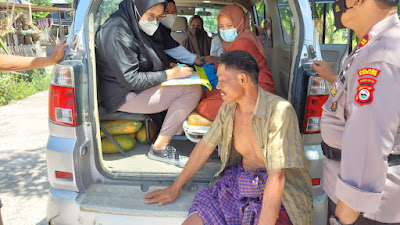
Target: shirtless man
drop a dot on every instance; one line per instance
(264, 177)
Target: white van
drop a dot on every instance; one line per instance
(89, 187)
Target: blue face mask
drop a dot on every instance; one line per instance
(228, 35)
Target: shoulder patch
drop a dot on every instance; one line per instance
(364, 95)
(364, 41)
(369, 71)
(367, 81)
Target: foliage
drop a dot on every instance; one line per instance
(332, 34)
(106, 8)
(38, 15)
(16, 86)
(4, 47)
(70, 3)
(260, 13)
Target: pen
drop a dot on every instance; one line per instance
(180, 65)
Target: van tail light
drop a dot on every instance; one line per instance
(318, 94)
(316, 181)
(65, 175)
(62, 105)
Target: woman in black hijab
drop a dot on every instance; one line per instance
(131, 67)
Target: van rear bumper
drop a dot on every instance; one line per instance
(64, 208)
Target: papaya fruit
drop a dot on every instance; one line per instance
(195, 119)
(133, 136)
(141, 134)
(117, 127)
(126, 142)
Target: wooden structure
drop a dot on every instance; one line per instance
(37, 8)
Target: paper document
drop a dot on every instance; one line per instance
(198, 77)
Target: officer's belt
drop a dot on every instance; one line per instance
(336, 154)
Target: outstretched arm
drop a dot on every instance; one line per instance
(272, 199)
(197, 159)
(18, 63)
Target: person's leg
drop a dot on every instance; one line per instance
(178, 100)
(193, 219)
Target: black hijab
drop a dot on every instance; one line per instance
(127, 12)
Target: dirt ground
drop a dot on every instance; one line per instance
(23, 174)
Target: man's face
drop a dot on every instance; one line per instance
(171, 9)
(229, 85)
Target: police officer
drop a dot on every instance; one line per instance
(360, 124)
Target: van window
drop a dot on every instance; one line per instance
(209, 17)
(285, 15)
(260, 8)
(106, 8)
(325, 25)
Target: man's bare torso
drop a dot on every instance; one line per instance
(245, 142)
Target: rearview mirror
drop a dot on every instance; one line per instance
(204, 13)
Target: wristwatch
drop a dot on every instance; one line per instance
(202, 62)
(333, 220)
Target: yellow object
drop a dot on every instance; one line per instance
(117, 127)
(195, 119)
(203, 77)
(132, 135)
(126, 142)
(198, 77)
(141, 134)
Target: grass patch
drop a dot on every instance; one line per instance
(16, 86)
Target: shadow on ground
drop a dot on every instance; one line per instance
(24, 173)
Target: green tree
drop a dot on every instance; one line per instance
(106, 8)
(38, 15)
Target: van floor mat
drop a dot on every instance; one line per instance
(136, 161)
(128, 200)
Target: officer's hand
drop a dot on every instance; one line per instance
(58, 52)
(324, 70)
(162, 196)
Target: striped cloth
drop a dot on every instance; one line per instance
(236, 198)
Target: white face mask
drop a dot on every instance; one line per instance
(149, 27)
(169, 20)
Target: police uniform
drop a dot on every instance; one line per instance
(360, 127)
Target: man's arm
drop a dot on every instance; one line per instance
(272, 198)
(18, 63)
(197, 159)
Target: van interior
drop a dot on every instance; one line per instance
(279, 49)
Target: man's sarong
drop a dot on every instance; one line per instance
(236, 198)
